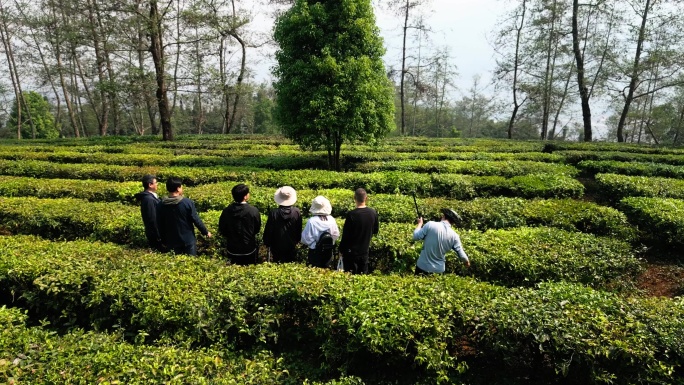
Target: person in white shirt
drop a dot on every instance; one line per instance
(321, 221)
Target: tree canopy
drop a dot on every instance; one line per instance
(39, 114)
(332, 85)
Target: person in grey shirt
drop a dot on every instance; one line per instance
(439, 239)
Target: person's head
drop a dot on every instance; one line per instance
(360, 196)
(149, 182)
(320, 206)
(240, 192)
(285, 196)
(451, 216)
(174, 185)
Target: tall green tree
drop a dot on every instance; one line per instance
(331, 85)
(39, 113)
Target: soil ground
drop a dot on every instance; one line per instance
(663, 277)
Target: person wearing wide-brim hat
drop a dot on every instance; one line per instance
(283, 229)
(438, 238)
(321, 221)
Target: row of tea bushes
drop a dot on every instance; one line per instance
(519, 256)
(552, 147)
(275, 160)
(33, 355)
(92, 190)
(574, 157)
(428, 330)
(593, 167)
(446, 185)
(507, 168)
(660, 221)
(480, 213)
(614, 187)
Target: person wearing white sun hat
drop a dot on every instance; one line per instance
(283, 229)
(320, 222)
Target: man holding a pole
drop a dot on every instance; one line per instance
(439, 239)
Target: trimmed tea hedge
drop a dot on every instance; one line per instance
(32, 355)
(615, 187)
(447, 185)
(479, 213)
(508, 168)
(415, 330)
(92, 190)
(512, 257)
(575, 157)
(517, 257)
(659, 220)
(631, 168)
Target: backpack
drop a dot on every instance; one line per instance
(325, 247)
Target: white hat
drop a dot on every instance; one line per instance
(285, 196)
(320, 206)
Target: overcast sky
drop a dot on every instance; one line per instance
(461, 25)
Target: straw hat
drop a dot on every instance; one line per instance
(285, 196)
(320, 206)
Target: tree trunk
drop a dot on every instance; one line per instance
(103, 120)
(403, 71)
(238, 84)
(16, 83)
(516, 65)
(62, 82)
(635, 74)
(157, 51)
(579, 60)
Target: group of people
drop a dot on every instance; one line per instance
(170, 224)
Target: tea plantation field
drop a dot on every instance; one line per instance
(577, 276)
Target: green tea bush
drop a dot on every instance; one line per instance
(91, 190)
(516, 257)
(660, 221)
(415, 329)
(614, 187)
(574, 157)
(450, 185)
(631, 168)
(508, 168)
(70, 219)
(32, 355)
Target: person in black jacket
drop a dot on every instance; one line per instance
(283, 229)
(177, 218)
(239, 224)
(148, 210)
(360, 225)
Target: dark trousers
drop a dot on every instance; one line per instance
(244, 260)
(318, 259)
(186, 249)
(355, 264)
(420, 271)
(283, 256)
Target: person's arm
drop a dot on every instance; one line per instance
(299, 228)
(376, 225)
(307, 235)
(257, 222)
(197, 221)
(267, 230)
(345, 230)
(458, 248)
(334, 230)
(149, 214)
(420, 231)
